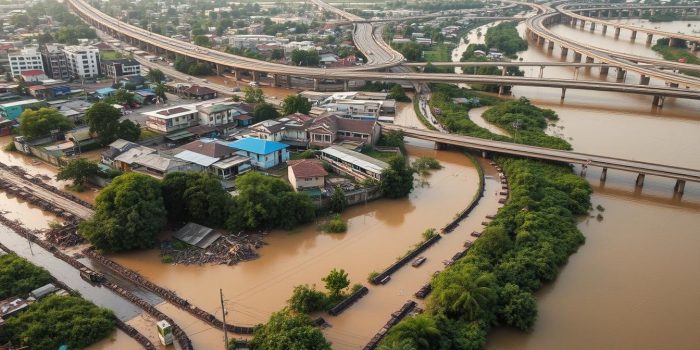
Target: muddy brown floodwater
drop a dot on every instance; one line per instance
(378, 232)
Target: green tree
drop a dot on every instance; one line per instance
(465, 296)
(19, 277)
(392, 138)
(518, 307)
(295, 104)
(264, 111)
(129, 131)
(421, 331)
(397, 180)
(103, 119)
(155, 75)
(129, 213)
(306, 58)
(411, 51)
(253, 95)
(277, 54)
(201, 40)
(197, 197)
(79, 170)
(336, 281)
(307, 299)
(397, 93)
(286, 330)
(58, 320)
(123, 96)
(338, 201)
(42, 122)
(160, 90)
(181, 64)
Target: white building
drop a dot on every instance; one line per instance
(83, 61)
(28, 58)
(299, 45)
(172, 119)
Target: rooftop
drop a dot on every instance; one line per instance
(197, 235)
(208, 148)
(304, 168)
(257, 146)
(356, 158)
(196, 158)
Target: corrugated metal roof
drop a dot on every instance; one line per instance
(197, 235)
(196, 158)
(356, 158)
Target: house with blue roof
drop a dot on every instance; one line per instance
(263, 154)
(105, 92)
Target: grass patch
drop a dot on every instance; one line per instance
(383, 156)
(676, 53)
(111, 55)
(335, 225)
(440, 53)
(10, 147)
(147, 134)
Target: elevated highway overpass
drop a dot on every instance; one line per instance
(681, 175)
(583, 13)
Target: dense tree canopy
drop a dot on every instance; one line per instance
(287, 330)
(306, 58)
(155, 75)
(129, 213)
(19, 277)
(506, 38)
(267, 202)
(196, 197)
(79, 170)
(264, 111)
(397, 180)
(103, 119)
(295, 104)
(253, 95)
(41, 122)
(58, 320)
(338, 201)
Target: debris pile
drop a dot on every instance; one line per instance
(65, 236)
(228, 250)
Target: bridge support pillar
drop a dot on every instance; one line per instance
(605, 28)
(617, 32)
(644, 80)
(289, 81)
(218, 69)
(604, 175)
(316, 84)
(604, 70)
(484, 154)
(693, 47)
(592, 26)
(577, 56)
(582, 24)
(564, 51)
(673, 85)
(658, 101)
(541, 71)
(679, 187)
(650, 37)
(346, 85)
(634, 35)
(275, 80)
(550, 46)
(563, 93)
(540, 41)
(640, 181)
(673, 42)
(590, 60)
(621, 74)
(237, 74)
(438, 146)
(256, 76)
(501, 90)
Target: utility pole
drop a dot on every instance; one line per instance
(223, 315)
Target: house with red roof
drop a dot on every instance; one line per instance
(306, 173)
(33, 75)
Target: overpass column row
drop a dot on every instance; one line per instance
(617, 32)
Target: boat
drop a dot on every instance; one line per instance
(91, 276)
(476, 234)
(418, 262)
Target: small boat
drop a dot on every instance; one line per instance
(385, 280)
(418, 262)
(91, 276)
(476, 234)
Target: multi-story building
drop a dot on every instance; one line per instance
(83, 61)
(117, 69)
(28, 58)
(248, 41)
(55, 62)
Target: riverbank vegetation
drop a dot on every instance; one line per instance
(285, 330)
(530, 238)
(51, 321)
(307, 299)
(676, 53)
(19, 277)
(58, 320)
(79, 171)
(505, 37)
(659, 16)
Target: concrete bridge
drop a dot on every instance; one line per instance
(582, 14)
(681, 175)
(538, 32)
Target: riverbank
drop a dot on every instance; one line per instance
(677, 54)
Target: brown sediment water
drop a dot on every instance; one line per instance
(116, 341)
(406, 115)
(378, 233)
(475, 114)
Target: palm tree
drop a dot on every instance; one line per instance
(469, 296)
(421, 332)
(160, 92)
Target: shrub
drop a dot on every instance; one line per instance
(336, 225)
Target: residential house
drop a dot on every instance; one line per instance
(306, 173)
(33, 75)
(200, 92)
(12, 110)
(263, 154)
(172, 119)
(290, 130)
(83, 61)
(105, 92)
(158, 165)
(28, 58)
(355, 164)
(72, 109)
(328, 130)
(215, 156)
(116, 69)
(219, 118)
(125, 161)
(115, 149)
